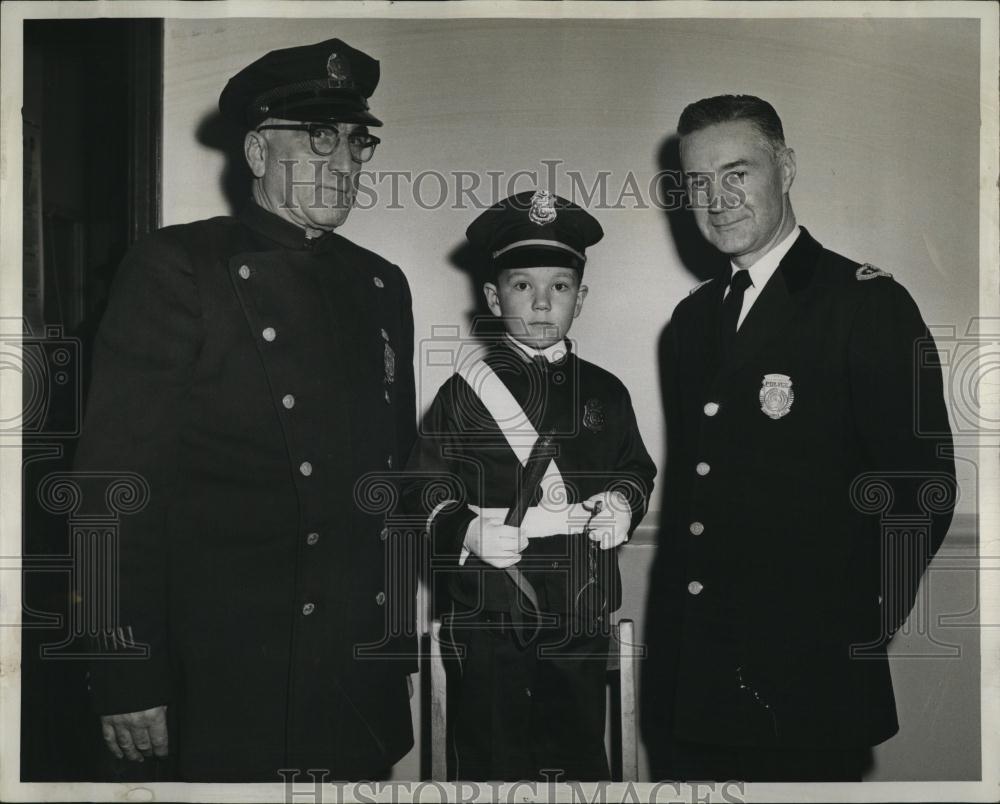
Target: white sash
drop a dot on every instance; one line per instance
(513, 422)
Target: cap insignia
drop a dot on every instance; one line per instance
(338, 71)
(543, 208)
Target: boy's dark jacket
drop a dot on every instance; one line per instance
(462, 456)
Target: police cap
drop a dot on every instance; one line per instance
(533, 229)
(326, 82)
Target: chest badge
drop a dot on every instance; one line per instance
(593, 415)
(390, 364)
(776, 395)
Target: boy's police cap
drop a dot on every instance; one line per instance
(532, 229)
(326, 82)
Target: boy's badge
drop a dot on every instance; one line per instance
(543, 209)
(390, 364)
(593, 415)
(869, 271)
(776, 395)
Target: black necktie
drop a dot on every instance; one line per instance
(731, 307)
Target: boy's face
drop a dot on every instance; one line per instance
(538, 304)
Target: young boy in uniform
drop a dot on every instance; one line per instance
(546, 474)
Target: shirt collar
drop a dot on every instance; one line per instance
(278, 230)
(555, 353)
(762, 270)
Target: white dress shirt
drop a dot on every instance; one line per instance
(552, 354)
(760, 272)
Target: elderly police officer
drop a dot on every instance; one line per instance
(252, 369)
(801, 387)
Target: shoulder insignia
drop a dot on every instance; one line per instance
(869, 271)
(698, 286)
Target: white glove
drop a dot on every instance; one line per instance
(543, 520)
(497, 544)
(611, 516)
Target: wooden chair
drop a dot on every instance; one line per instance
(622, 711)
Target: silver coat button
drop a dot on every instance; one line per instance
(269, 334)
(308, 609)
(380, 598)
(695, 587)
(288, 401)
(312, 538)
(711, 408)
(696, 528)
(388, 399)
(306, 468)
(244, 272)
(703, 468)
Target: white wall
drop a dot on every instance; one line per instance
(883, 115)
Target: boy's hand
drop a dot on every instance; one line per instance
(497, 544)
(610, 519)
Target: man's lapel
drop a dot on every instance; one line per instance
(777, 302)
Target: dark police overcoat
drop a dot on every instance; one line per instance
(254, 378)
(777, 584)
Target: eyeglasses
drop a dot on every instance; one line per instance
(325, 139)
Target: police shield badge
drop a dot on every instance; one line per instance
(593, 415)
(776, 395)
(543, 208)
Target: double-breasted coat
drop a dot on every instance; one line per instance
(777, 583)
(261, 384)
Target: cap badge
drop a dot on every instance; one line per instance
(543, 209)
(390, 365)
(593, 415)
(776, 395)
(338, 72)
(869, 271)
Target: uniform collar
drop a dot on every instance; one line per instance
(556, 353)
(285, 233)
(764, 268)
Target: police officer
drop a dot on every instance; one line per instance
(251, 370)
(804, 399)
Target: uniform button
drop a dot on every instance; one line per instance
(703, 468)
(244, 272)
(380, 598)
(306, 468)
(695, 587)
(308, 609)
(288, 401)
(378, 282)
(711, 408)
(388, 462)
(269, 334)
(383, 534)
(312, 538)
(527, 691)
(696, 528)
(388, 399)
